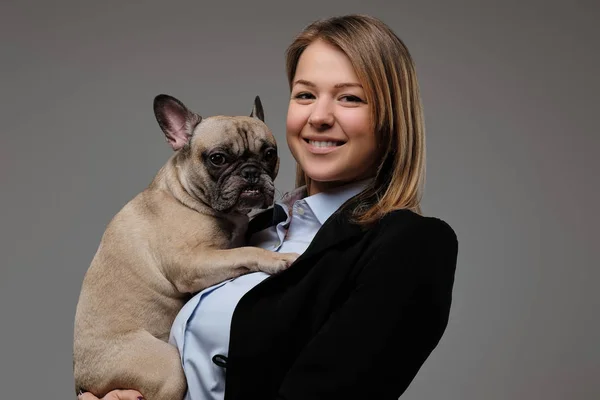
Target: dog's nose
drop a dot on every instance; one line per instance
(251, 174)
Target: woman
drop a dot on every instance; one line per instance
(358, 313)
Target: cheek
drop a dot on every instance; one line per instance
(356, 124)
(296, 119)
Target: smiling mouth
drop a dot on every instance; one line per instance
(323, 144)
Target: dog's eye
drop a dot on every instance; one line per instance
(270, 154)
(217, 159)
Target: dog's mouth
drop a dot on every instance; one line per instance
(251, 193)
(252, 197)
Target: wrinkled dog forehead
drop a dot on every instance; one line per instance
(237, 134)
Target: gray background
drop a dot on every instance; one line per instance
(510, 90)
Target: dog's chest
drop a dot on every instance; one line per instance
(226, 234)
(238, 236)
(235, 235)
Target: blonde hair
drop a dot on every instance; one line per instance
(387, 72)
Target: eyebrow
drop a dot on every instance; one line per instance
(337, 86)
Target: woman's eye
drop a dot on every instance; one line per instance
(352, 99)
(270, 155)
(217, 159)
(304, 96)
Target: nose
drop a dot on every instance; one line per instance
(321, 116)
(251, 174)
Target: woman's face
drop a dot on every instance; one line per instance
(328, 123)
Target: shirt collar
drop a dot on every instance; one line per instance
(324, 204)
(290, 198)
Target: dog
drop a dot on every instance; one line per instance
(183, 233)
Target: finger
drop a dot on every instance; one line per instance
(114, 395)
(86, 396)
(123, 395)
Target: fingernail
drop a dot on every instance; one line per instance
(140, 398)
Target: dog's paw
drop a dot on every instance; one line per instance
(278, 262)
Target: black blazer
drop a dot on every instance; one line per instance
(355, 317)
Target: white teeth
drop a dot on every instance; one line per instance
(322, 144)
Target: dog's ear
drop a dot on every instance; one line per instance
(257, 110)
(175, 120)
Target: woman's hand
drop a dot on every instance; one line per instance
(114, 395)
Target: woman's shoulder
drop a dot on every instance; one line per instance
(406, 238)
(403, 224)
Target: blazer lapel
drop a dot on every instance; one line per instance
(335, 230)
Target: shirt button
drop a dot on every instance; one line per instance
(300, 211)
(220, 360)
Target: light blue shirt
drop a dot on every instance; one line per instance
(201, 329)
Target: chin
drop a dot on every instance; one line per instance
(245, 204)
(317, 174)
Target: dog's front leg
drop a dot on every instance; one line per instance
(208, 267)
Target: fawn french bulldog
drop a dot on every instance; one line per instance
(183, 233)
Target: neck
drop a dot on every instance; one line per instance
(313, 187)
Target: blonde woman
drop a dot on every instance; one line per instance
(357, 315)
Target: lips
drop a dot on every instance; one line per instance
(323, 146)
(321, 143)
